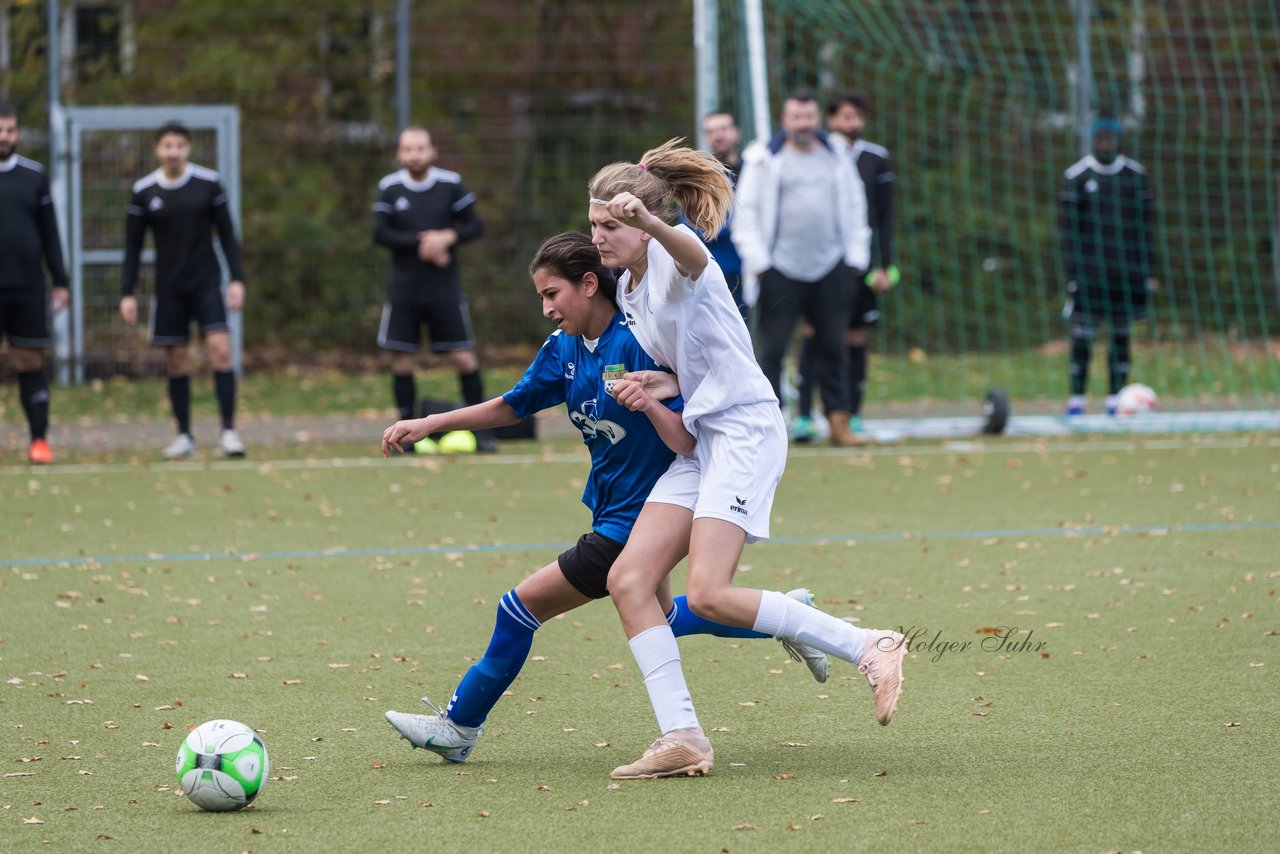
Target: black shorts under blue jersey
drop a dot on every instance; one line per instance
(587, 563)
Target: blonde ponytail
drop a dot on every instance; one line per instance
(673, 175)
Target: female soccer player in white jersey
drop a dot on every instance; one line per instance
(632, 439)
(677, 303)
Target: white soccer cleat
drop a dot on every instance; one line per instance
(231, 444)
(181, 447)
(815, 659)
(436, 733)
(882, 665)
(680, 753)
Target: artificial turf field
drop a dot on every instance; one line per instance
(306, 597)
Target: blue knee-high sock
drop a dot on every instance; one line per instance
(684, 622)
(482, 686)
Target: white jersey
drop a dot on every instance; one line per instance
(695, 329)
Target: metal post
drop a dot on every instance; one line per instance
(1084, 75)
(753, 12)
(706, 45)
(402, 64)
(1137, 62)
(64, 343)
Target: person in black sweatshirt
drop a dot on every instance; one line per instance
(182, 203)
(1106, 221)
(422, 214)
(28, 236)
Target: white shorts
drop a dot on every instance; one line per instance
(734, 471)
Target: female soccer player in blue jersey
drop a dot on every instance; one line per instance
(632, 437)
(719, 497)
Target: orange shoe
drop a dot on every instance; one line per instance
(39, 453)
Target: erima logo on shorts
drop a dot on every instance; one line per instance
(740, 506)
(402, 204)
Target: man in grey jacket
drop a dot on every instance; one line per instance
(802, 232)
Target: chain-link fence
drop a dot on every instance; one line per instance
(525, 100)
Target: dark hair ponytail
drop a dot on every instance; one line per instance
(571, 255)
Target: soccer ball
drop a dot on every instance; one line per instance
(222, 766)
(1135, 399)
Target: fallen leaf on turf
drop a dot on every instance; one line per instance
(542, 788)
(817, 817)
(483, 813)
(793, 827)
(846, 800)
(1231, 724)
(83, 773)
(569, 729)
(784, 776)
(32, 820)
(150, 744)
(378, 763)
(721, 729)
(238, 676)
(613, 787)
(743, 827)
(984, 812)
(737, 765)
(337, 666)
(794, 744)
(21, 774)
(344, 729)
(615, 666)
(881, 774)
(382, 803)
(292, 682)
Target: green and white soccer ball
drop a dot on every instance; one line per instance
(222, 766)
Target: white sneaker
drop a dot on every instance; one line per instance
(815, 659)
(181, 447)
(231, 444)
(436, 733)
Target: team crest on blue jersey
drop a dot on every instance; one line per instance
(587, 420)
(156, 203)
(610, 375)
(402, 204)
(1091, 186)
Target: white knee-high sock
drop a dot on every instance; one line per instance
(659, 660)
(784, 617)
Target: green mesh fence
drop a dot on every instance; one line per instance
(976, 102)
(525, 100)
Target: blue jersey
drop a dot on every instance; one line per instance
(627, 455)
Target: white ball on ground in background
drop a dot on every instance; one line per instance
(1136, 399)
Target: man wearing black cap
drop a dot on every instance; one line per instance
(1106, 217)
